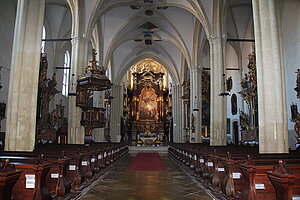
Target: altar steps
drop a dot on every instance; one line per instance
(135, 149)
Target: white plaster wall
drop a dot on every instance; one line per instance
(7, 23)
(290, 13)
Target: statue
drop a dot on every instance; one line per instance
(229, 84)
(297, 88)
(245, 81)
(52, 83)
(244, 121)
(298, 78)
(45, 121)
(186, 88)
(52, 118)
(294, 111)
(297, 127)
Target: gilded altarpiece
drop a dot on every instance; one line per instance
(147, 106)
(249, 117)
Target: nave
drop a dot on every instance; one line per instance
(114, 171)
(173, 184)
(203, 77)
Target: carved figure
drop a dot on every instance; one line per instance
(298, 78)
(186, 88)
(294, 111)
(52, 83)
(244, 82)
(244, 121)
(229, 84)
(297, 126)
(52, 118)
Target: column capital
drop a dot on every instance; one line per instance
(77, 39)
(195, 68)
(214, 39)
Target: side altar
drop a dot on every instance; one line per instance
(249, 117)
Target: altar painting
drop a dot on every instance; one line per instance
(148, 105)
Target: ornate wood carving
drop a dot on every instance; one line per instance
(46, 91)
(94, 79)
(249, 122)
(145, 112)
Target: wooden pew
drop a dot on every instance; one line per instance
(282, 181)
(8, 177)
(61, 172)
(31, 183)
(55, 179)
(260, 175)
(221, 172)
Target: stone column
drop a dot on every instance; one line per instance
(217, 103)
(196, 101)
(177, 113)
(272, 114)
(78, 63)
(116, 113)
(174, 113)
(24, 74)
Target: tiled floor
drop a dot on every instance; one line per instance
(122, 185)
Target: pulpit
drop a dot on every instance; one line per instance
(94, 79)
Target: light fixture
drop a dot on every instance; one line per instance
(72, 91)
(225, 93)
(196, 109)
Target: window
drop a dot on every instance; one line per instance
(65, 88)
(43, 42)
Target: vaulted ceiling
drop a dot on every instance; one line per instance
(124, 32)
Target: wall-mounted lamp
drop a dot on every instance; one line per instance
(72, 91)
(196, 109)
(225, 93)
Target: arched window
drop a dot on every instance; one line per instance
(43, 42)
(65, 88)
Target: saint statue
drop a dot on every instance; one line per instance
(229, 84)
(244, 121)
(298, 78)
(245, 81)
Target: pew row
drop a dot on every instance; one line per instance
(239, 172)
(60, 171)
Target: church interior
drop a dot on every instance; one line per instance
(149, 99)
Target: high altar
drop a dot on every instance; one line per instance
(147, 104)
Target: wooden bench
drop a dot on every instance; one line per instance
(8, 177)
(222, 169)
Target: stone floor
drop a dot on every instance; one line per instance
(122, 185)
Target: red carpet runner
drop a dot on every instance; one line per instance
(147, 162)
